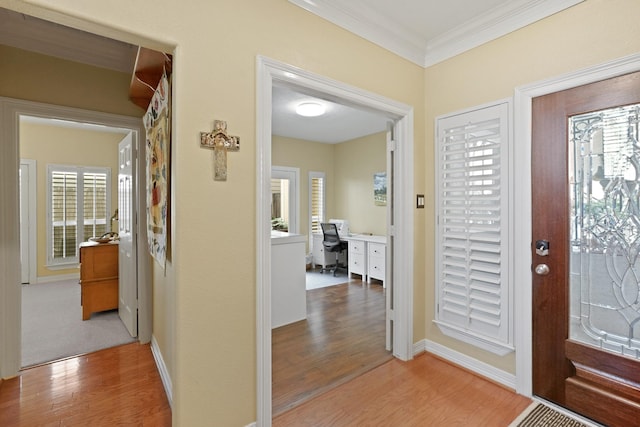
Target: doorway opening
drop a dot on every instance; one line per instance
(12, 303)
(400, 227)
(75, 202)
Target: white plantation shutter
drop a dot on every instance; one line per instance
(78, 208)
(95, 204)
(473, 288)
(64, 195)
(317, 202)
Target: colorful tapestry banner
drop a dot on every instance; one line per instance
(157, 125)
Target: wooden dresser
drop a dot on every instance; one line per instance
(98, 277)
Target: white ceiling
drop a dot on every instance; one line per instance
(422, 31)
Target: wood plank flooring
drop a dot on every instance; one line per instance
(342, 337)
(116, 386)
(426, 391)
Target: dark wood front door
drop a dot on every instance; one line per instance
(586, 211)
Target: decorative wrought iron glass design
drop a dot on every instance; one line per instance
(604, 179)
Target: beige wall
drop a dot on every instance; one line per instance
(587, 34)
(356, 162)
(309, 156)
(48, 144)
(349, 168)
(211, 278)
(41, 78)
(213, 255)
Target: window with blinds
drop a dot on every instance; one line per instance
(78, 206)
(316, 201)
(473, 300)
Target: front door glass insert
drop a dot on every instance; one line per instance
(604, 180)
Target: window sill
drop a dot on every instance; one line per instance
(487, 344)
(65, 266)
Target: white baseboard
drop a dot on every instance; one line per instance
(58, 278)
(474, 365)
(162, 369)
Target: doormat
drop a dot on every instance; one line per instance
(539, 415)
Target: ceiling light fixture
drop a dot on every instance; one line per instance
(310, 109)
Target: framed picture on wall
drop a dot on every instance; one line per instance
(380, 188)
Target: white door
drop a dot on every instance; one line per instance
(389, 253)
(127, 289)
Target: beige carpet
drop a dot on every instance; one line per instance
(52, 325)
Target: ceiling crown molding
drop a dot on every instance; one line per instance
(361, 19)
(493, 24)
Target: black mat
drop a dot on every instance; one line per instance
(543, 416)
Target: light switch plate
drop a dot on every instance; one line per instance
(419, 201)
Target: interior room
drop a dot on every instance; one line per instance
(53, 325)
(491, 232)
(325, 169)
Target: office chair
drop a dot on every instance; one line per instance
(332, 243)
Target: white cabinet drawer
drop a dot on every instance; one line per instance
(376, 261)
(356, 247)
(377, 250)
(356, 263)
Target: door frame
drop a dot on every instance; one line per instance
(31, 216)
(268, 72)
(522, 200)
(10, 295)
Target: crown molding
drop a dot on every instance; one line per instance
(365, 22)
(493, 24)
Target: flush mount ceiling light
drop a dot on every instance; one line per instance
(310, 109)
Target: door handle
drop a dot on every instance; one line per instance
(542, 269)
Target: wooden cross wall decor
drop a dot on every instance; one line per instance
(221, 143)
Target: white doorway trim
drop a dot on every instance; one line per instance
(28, 220)
(10, 312)
(522, 201)
(268, 73)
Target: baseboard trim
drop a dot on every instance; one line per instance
(57, 278)
(474, 365)
(162, 369)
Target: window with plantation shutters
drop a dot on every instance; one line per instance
(473, 301)
(78, 208)
(316, 202)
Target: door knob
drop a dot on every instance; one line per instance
(542, 269)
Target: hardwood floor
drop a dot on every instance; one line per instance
(426, 391)
(342, 337)
(116, 386)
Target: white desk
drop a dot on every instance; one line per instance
(367, 256)
(288, 281)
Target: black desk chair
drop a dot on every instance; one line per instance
(332, 243)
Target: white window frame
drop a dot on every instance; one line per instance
(80, 237)
(317, 175)
(293, 176)
(460, 319)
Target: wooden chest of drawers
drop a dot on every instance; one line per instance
(98, 277)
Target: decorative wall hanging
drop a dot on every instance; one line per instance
(221, 143)
(158, 138)
(380, 188)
